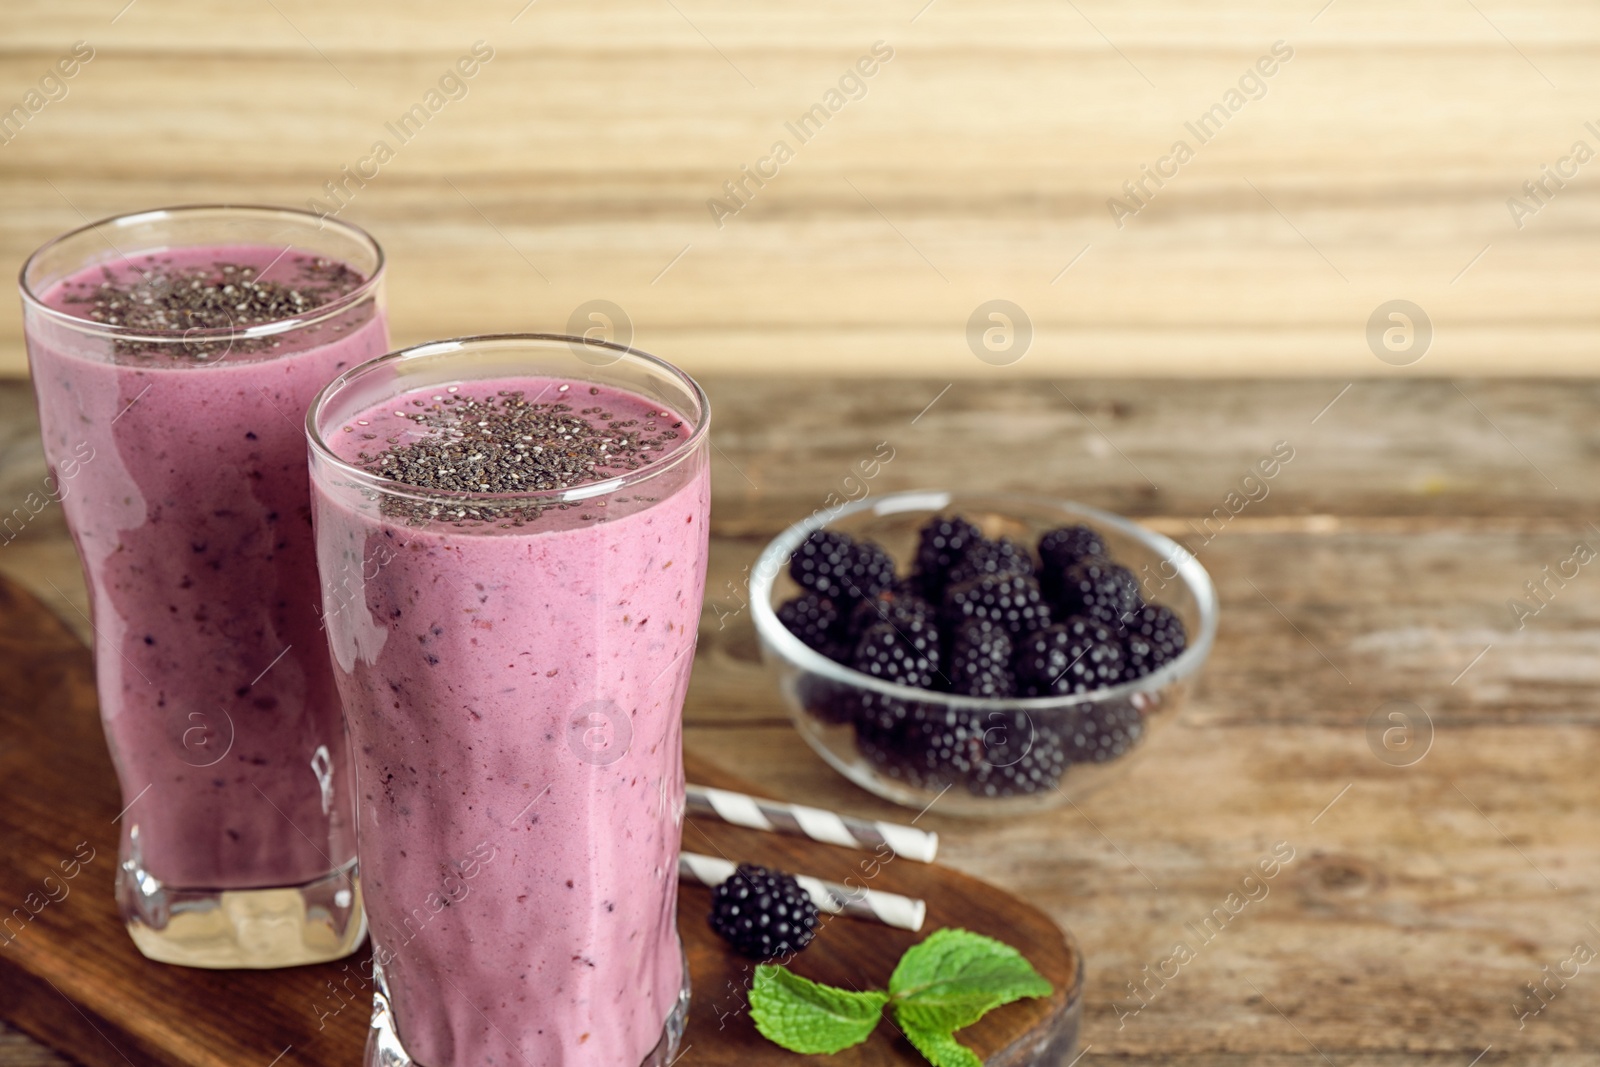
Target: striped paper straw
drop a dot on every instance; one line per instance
(760, 814)
(891, 909)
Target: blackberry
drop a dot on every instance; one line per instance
(1061, 548)
(880, 719)
(882, 728)
(904, 657)
(835, 565)
(1022, 756)
(880, 738)
(1104, 731)
(1075, 656)
(928, 747)
(1011, 601)
(980, 661)
(991, 557)
(763, 913)
(897, 602)
(989, 753)
(1155, 638)
(815, 620)
(820, 561)
(828, 700)
(941, 543)
(975, 631)
(1100, 589)
(868, 570)
(981, 678)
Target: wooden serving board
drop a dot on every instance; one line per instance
(71, 977)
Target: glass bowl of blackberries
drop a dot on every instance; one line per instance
(986, 652)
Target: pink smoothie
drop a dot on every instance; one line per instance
(183, 478)
(514, 692)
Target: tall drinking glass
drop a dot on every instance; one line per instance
(511, 533)
(174, 354)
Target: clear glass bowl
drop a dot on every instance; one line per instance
(826, 699)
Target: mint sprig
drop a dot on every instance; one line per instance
(806, 1016)
(955, 977)
(948, 982)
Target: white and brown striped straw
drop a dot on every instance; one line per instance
(758, 813)
(891, 909)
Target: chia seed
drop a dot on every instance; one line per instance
(506, 444)
(156, 298)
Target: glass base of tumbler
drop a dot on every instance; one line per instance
(252, 928)
(384, 1048)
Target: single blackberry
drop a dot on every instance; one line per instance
(935, 747)
(980, 661)
(815, 620)
(763, 913)
(902, 656)
(898, 602)
(835, 565)
(878, 716)
(1103, 590)
(1103, 731)
(989, 753)
(1155, 638)
(973, 677)
(889, 735)
(1012, 601)
(1021, 757)
(908, 655)
(820, 562)
(868, 570)
(828, 700)
(1076, 656)
(921, 632)
(941, 543)
(983, 556)
(975, 631)
(1061, 548)
(881, 740)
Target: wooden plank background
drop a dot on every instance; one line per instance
(1379, 568)
(977, 166)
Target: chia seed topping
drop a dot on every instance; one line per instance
(154, 297)
(508, 444)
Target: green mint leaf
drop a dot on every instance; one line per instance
(806, 1016)
(942, 1050)
(954, 977)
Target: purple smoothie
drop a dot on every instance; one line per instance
(514, 689)
(184, 482)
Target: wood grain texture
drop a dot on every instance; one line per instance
(1424, 897)
(70, 977)
(977, 165)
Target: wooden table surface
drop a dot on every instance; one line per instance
(1379, 567)
(977, 164)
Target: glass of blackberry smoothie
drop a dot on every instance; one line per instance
(511, 533)
(174, 354)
